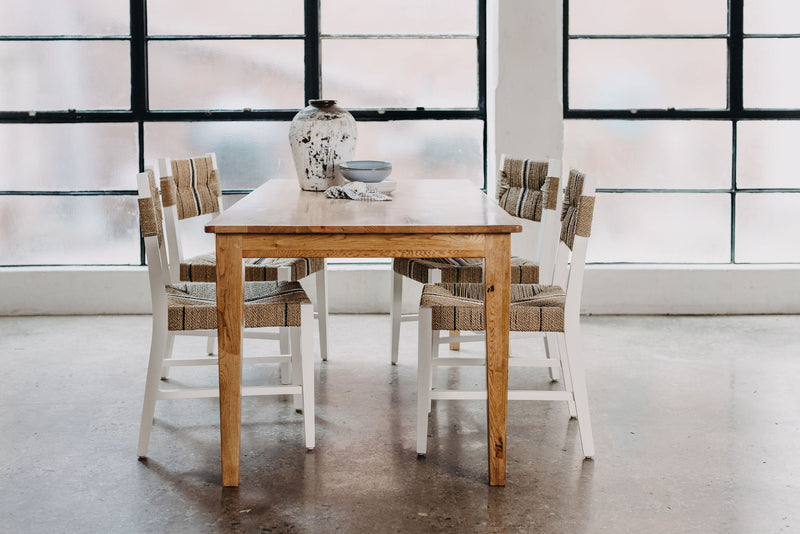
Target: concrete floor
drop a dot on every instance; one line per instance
(696, 422)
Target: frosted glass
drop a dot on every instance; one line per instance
(391, 16)
(771, 16)
(653, 73)
(68, 157)
(771, 73)
(767, 227)
(69, 230)
(661, 228)
(651, 154)
(62, 75)
(766, 154)
(407, 73)
(248, 153)
(233, 17)
(57, 17)
(226, 74)
(626, 17)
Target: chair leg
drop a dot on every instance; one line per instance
(211, 345)
(307, 375)
(396, 311)
(167, 354)
(297, 365)
(549, 346)
(423, 378)
(579, 385)
(158, 346)
(560, 346)
(284, 275)
(322, 311)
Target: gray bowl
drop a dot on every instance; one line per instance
(365, 170)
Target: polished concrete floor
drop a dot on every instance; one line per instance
(696, 422)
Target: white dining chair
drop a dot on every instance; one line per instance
(191, 306)
(191, 188)
(549, 309)
(526, 188)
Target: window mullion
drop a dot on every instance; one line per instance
(313, 70)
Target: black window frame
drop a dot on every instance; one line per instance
(141, 114)
(734, 113)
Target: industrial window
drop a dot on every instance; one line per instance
(688, 112)
(98, 89)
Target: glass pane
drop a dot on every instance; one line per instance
(226, 74)
(65, 230)
(234, 17)
(651, 154)
(771, 16)
(401, 73)
(765, 154)
(661, 228)
(652, 73)
(61, 75)
(654, 17)
(391, 16)
(68, 157)
(767, 227)
(771, 73)
(248, 153)
(425, 149)
(76, 17)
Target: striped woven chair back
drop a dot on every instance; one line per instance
(150, 215)
(577, 210)
(524, 189)
(194, 187)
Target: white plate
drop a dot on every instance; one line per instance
(384, 186)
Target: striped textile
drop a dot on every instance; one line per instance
(193, 306)
(150, 216)
(523, 189)
(193, 188)
(534, 308)
(203, 268)
(466, 270)
(577, 211)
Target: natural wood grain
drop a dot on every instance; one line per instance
(497, 280)
(230, 302)
(427, 218)
(417, 206)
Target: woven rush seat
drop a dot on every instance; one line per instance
(534, 307)
(463, 270)
(193, 305)
(203, 268)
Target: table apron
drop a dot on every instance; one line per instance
(378, 245)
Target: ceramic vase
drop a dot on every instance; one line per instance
(321, 136)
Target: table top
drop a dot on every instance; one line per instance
(417, 206)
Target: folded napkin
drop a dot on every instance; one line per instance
(355, 191)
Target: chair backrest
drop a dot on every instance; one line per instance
(577, 212)
(150, 220)
(190, 188)
(529, 189)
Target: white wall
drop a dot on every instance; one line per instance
(525, 119)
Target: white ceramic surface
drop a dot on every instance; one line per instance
(369, 171)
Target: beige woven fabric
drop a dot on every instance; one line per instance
(150, 216)
(196, 187)
(550, 192)
(193, 305)
(521, 188)
(577, 211)
(465, 270)
(534, 308)
(203, 268)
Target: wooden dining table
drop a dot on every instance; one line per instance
(425, 218)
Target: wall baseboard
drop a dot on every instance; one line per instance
(617, 289)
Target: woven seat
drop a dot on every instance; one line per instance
(462, 270)
(544, 308)
(191, 188)
(527, 189)
(203, 268)
(188, 307)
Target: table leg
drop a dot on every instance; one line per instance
(230, 305)
(497, 280)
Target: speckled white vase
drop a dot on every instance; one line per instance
(321, 136)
